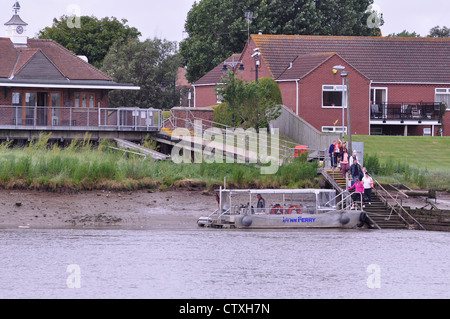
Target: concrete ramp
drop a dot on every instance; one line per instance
(146, 151)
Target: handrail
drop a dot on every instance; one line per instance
(283, 150)
(349, 196)
(331, 180)
(334, 198)
(398, 204)
(127, 151)
(86, 118)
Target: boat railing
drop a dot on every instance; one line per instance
(213, 213)
(347, 200)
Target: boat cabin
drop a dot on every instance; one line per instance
(276, 201)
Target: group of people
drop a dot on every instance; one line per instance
(361, 182)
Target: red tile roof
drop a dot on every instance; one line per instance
(304, 64)
(72, 67)
(68, 63)
(381, 59)
(216, 74)
(8, 57)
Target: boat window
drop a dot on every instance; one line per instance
(326, 200)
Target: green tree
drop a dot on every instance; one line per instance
(438, 32)
(219, 28)
(405, 34)
(146, 64)
(93, 38)
(252, 104)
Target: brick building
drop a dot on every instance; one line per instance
(396, 85)
(39, 79)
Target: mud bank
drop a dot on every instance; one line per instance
(136, 210)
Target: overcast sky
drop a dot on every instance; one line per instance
(165, 19)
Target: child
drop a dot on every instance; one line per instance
(359, 190)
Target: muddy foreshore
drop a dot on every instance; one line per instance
(92, 209)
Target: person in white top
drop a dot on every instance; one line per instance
(368, 185)
(352, 158)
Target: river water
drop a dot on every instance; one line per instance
(225, 264)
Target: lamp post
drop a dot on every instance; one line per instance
(344, 74)
(256, 56)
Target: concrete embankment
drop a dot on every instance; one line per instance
(434, 220)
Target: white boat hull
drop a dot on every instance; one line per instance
(333, 219)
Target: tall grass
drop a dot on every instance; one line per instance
(80, 166)
(397, 171)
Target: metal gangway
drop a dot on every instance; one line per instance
(242, 144)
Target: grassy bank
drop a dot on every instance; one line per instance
(431, 153)
(82, 167)
(419, 162)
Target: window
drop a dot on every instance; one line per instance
(219, 98)
(30, 99)
(333, 129)
(56, 108)
(56, 99)
(30, 102)
(378, 96)
(443, 96)
(332, 95)
(91, 100)
(84, 99)
(17, 99)
(17, 102)
(77, 99)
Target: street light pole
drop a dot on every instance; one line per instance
(256, 56)
(344, 74)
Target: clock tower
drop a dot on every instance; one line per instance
(16, 28)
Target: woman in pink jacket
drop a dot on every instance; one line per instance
(359, 190)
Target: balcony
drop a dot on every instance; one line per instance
(87, 119)
(427, 112)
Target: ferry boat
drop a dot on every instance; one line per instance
(284, 208)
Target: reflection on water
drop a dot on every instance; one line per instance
(206, 263)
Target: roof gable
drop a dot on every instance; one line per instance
(52, 55)
(67, 63)
(380, 59)
(216, 74)
(38, 66)
(304, 64)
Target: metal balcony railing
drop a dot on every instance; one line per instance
(50, 118)
(428, 111)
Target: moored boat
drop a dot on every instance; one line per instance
(285, 208)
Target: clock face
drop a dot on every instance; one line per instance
(19, 29)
